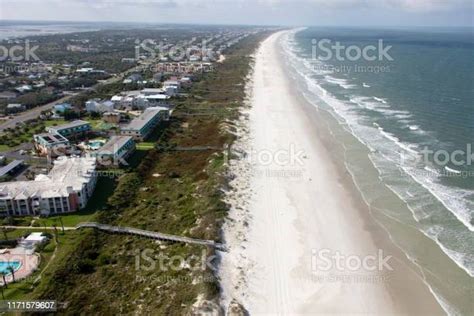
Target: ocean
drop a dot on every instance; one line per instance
(17, 29)
(404, 109)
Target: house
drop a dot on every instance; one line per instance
(89, 70)
(61, 108)
(15, 108)
(7, 95)
(70, 129)
(67, 188)
(133, 78)
(111, 117)
(52, 145)
(115, 151)
(99, 106)
(151, 91)
(24, 88)
(146, 101)
(141, 127)
(171, 87)
(122, 100)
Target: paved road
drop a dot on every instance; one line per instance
(35, 112)
(30, 114)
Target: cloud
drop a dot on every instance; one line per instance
(278, 12)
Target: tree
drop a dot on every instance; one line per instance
(12, 271)
(4, 230)
(62, 224)
(55, 233)
(4, 280)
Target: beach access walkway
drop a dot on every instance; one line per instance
(132, 231)
(151, 234)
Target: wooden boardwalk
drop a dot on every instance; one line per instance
(151, 234)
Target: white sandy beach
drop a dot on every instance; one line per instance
(286, 210)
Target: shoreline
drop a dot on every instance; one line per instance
(281, 214)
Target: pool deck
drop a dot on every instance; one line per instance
(29, 263)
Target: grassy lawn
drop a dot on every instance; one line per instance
(104, 189)
(4, 148)
(145, 145)
(49, 123)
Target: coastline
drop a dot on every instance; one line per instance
(283, 214)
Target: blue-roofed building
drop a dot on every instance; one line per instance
(61, 108)
(141, 127)
(115, 151)
(70, 129)
(51, 144)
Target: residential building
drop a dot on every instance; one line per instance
(15, 108)
(171, 87)
(122, 100)
(141, 127)
(67, 188)
(111, 117)
(99, 106)
(61, 108)
(115, 151)
(7, 95)
(70, 129)
(154, 100)
(11, 168)
(52, 145)
(133, 78)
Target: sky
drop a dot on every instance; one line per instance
(253, 12)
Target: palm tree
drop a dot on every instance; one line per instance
(4, 230)
(62, 224)
(4, 279)
(12, 271)
(55, 233)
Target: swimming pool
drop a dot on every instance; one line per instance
(95, 144)
(5, 264)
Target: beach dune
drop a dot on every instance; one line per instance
(300, 241)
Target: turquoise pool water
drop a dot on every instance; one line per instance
(96, 144)
(5, 264)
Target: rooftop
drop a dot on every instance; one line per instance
(67, 173)
(12, 165)
(52, 138)
(114, 144)
(70, 125)
(140, 122)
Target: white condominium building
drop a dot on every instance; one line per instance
(67, 188)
